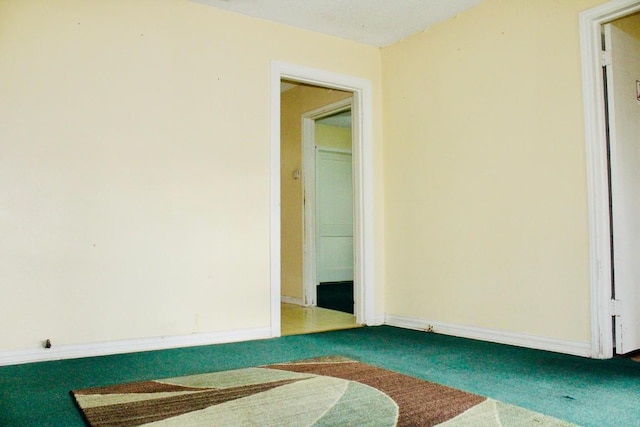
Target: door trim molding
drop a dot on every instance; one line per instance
(309, 265)
(362, 113)
(597, 164)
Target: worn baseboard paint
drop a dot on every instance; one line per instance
(291, 300)
(129, 346)
(491, 335)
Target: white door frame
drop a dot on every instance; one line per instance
(600, 267)
(309, 264)
(363, 221)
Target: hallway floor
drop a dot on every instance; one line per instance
(303, 320)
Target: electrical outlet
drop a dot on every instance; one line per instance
(429, 328)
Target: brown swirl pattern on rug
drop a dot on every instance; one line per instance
(327, 391)
(420, 403)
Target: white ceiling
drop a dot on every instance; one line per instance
(373, 22)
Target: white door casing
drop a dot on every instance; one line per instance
(623, 70)
(362, 127)
(600, 267)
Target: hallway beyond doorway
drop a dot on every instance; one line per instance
(336, 296)
(297, 319)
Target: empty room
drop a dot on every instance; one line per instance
(187, 187)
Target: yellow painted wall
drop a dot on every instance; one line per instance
(294, 103)
(333, 136)
(630, 25)
(486, 196)
(134, 165)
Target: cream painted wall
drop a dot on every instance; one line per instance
(486, 210)
(333, 136)
(134, 166)
(294, 103)
(630, 25)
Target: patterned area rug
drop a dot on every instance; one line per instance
(327, 391)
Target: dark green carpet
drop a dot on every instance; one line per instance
(583, 391)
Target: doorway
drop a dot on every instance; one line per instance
(622, 92)
(316, 207)
(328, 261)
(606, 307)
(363, 268)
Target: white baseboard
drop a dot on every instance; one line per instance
(162, 343)
(501, 337)
(377, 320)
(129, 346)
(291, 300)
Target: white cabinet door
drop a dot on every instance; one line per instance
(334, 216)
(624, 129)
